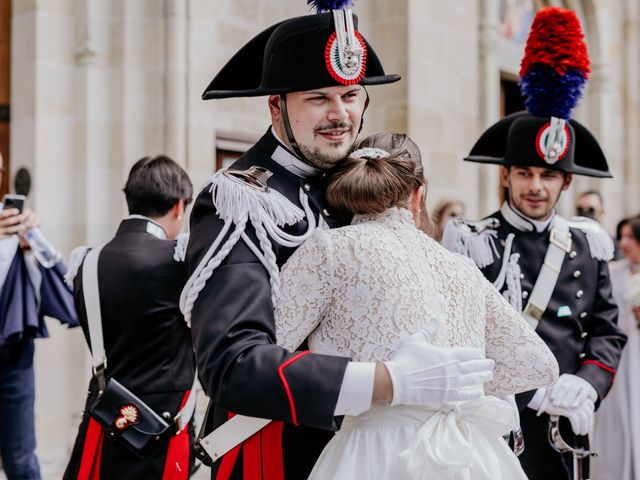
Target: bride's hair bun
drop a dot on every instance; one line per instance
(370, 182)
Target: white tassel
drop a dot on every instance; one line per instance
(513, 293)
(180, 252)
(75, 260)
(234, 199)
(600, 242)
(480, 247)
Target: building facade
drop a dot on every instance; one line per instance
(90, 86)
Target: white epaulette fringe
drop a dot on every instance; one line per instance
(238, 203)
(600, 242)
(75, 260)
(179, 253)
(480, 247)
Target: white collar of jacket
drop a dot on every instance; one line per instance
(522, 222)
(290, 162)
(153, 228)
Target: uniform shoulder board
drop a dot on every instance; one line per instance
(241, 193)
(600, 242)
(475, 240)
(75, 260)
(180, 252)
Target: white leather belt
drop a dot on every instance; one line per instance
(559, 246)
(230, 434)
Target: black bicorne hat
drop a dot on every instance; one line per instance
(520, 140)
(294, 55)
(553, 73)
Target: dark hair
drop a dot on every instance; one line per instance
(154, 186)
(634, 223)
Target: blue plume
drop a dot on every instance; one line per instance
(550, 93)
(327, 5)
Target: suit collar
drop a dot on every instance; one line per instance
(140, 223)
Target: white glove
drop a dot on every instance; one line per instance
(426, 375)
(580, 417)
(570, 391)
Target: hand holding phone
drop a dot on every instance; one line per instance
(10, 201)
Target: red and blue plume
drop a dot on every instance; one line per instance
(555, 66)
(328, 5)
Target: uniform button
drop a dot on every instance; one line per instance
(525, 294)
(582, 355)
(573, 254)
(583, 335)
(577, 274)
(307, 187)
(583, 315)
(325, 212)
(521, 276)
(579, 294)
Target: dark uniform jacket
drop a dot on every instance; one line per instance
(146, 340)
(239, 364)
(578, 325)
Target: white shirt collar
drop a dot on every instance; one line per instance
(153, 228)
(522, 222)
(283, 157)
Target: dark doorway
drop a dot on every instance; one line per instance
(510, 99)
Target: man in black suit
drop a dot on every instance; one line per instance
(147, 343)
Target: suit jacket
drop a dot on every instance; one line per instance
(147, 342)
(240, 366)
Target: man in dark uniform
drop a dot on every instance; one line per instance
(552, 269)
(147, 343)
(247, 223)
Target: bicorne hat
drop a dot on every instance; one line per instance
(553, 73)
(302, 53)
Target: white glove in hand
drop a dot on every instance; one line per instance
(570, 391)
(580, 417)
(426, 375)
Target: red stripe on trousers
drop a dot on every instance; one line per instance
(176, 465)
(285, 384)
(91, 452)
(272, 461)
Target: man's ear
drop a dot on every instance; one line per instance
(568, 178)
(504, 176)
(178, 209)
(275, 109)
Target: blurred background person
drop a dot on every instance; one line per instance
(589, 204)
(444, 211)
(617, 422)
(29, 291)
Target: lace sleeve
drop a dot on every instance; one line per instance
(305, 291)
(523, 361)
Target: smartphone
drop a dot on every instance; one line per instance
(13, 201)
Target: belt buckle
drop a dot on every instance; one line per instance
(559, 240)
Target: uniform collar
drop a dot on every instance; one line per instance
(140, 223)
(287, 160)
(523, 223)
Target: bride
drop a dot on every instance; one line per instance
(360, 290)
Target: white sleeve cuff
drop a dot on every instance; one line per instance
(357, 389)
(537, 399)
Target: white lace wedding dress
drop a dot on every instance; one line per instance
(358, 291)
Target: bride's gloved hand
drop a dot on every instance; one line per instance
(423, 374)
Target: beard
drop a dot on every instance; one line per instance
(327, 157)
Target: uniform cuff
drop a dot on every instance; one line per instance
(357, 389)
